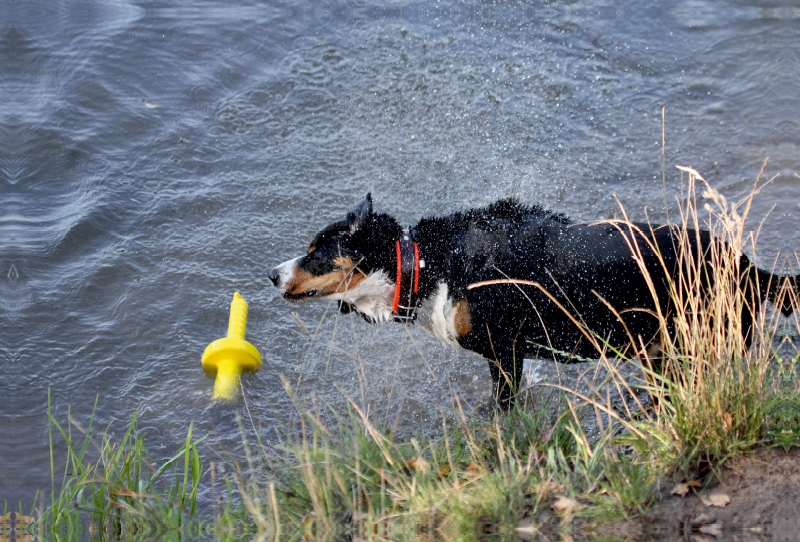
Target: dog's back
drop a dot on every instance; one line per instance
(509, 281)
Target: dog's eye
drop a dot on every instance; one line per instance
(317, 265)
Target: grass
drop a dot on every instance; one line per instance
(601, 451)
(111, 490)
(712, 391)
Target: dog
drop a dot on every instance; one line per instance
(506, 281)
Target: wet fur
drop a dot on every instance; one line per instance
(585, 268)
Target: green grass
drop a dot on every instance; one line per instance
(111, 490)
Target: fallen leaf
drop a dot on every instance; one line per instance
(681, 489)
(547, 434)
(566, 505)
(474, 469)
(720, 500)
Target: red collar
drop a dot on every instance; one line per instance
(407, 283)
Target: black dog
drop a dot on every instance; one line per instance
(451, 276)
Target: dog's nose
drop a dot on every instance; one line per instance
(274, 276)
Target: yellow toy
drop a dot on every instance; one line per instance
(230, 356)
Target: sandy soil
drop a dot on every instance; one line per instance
(764, 492)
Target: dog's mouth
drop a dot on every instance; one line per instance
(300, 297)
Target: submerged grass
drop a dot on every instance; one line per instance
(604, 450)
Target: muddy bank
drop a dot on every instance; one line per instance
(764, 492)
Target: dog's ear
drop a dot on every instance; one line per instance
(358, 216)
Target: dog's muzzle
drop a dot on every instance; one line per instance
(281, 274)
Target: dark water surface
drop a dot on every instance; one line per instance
(157, 156)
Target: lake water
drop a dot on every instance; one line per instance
(157, 156)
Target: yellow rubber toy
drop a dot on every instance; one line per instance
(227, 358)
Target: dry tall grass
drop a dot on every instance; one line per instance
(712, 389)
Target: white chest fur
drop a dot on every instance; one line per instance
(437, 315)
(372, 297)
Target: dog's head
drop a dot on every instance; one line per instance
(350, 261)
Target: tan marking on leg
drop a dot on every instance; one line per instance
(462, 322)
